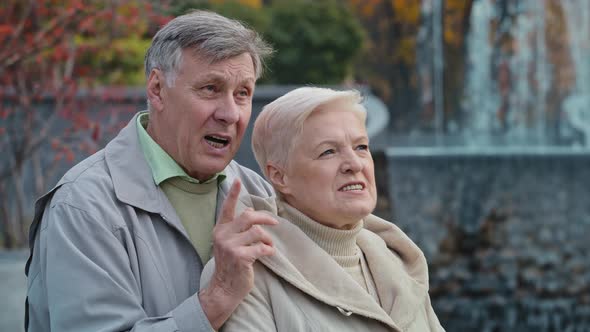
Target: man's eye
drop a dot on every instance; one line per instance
(209, 88)
(244, 93)
(362, 147)
(327, 152)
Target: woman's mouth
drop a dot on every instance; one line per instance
(352, 187)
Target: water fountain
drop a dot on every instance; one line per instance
(501, 211)
(482, 96)
(515, 93)
(577, 104)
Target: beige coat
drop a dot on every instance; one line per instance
(302, 288)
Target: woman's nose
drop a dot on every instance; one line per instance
(352, 163)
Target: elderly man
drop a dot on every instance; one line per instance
(120, 242)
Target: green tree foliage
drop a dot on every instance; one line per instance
(120, 43)
(316, 42)
(121, 64)
(254, 16)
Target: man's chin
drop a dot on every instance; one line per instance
(206, 171)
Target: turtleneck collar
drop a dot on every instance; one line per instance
(338, 243)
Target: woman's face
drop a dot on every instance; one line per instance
(330, 175)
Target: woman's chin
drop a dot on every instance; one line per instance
(356, 215)
(362, 209)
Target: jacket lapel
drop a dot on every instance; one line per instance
(398, 268)
(299, 261)
(244, 200)
(132, 177)
(397, 265)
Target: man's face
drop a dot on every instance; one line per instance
(204, 115)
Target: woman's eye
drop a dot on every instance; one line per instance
(362, 147)
(327, 152)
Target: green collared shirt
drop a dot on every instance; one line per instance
(195, 202)
(162, 165)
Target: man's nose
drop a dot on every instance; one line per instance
(228, 111)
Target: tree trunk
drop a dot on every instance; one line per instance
(21, 225)
(6, 220)
(38, 173)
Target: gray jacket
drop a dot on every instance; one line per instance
(108, 251)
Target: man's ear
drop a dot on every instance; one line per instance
(155, 85)
(278, 178)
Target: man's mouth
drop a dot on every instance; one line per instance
(352, 187)
(217, 142)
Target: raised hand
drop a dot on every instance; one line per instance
(237, 243)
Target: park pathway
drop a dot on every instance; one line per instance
(12, 290)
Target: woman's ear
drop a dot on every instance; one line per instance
(155, 85)
(277, 177)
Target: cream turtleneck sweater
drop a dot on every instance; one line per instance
(338, 243)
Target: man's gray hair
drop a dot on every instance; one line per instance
(210, 35)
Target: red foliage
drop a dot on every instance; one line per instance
(55, 143)
(96, 132)
(45, 82)
(5, 29)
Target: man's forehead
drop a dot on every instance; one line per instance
(225, 77)
(239, 67)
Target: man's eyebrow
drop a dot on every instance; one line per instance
(210, 77)
(248, 80)
(219, 78)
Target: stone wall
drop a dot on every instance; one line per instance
(506, 233)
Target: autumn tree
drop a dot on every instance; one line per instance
(46, 92)
(398, 60)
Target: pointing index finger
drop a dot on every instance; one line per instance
(229, 204)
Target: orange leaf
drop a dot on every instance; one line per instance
(69, 155)
(5, 29)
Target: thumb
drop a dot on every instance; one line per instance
(229, 204)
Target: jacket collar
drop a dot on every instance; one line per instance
(397, 265)
(244, 200)
(134, 185)
(131, 174)
(133, 182)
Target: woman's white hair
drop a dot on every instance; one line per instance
(280, 123)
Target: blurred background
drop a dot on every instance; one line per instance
(479, 117)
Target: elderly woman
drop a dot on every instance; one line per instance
(336, 267)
